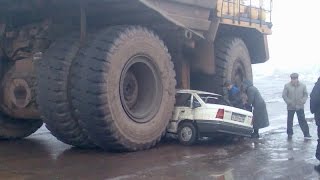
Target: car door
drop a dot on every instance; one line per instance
(198, 111)
(181, 112)
(184, 111)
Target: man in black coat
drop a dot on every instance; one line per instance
(315, 109)
(260, 114)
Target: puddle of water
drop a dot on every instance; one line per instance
(14, 175)
(179, 163)
(227, 175)
(195, 156)
(122, 177)
(283, 159)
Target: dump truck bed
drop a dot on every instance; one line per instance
(191, 14)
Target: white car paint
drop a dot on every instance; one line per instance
(205, 112)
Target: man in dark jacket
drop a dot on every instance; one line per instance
(315, 109)
(295, 95)
(260, 114)
(234, 95)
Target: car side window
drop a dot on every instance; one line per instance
(222, 101)
(183, 100)
(195, 103)
(211, 100)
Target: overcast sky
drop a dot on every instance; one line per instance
(295, 41)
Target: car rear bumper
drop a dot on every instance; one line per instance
(211, 127)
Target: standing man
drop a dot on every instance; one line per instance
(315, 109)
(234, 95)
(260, 114)
(295, 95)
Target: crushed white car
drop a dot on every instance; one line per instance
(202, 114)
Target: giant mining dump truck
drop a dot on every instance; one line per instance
(103, 73)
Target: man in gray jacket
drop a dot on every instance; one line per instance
(295, 95)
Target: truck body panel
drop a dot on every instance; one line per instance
(196, 44)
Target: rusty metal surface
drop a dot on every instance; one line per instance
(83, 22)
(204, 61)
(23, 42)
(185, 74)
(187, 14)
(213, 29)
(194, 15)
(2, 29)
(199, 3)
(18, 93)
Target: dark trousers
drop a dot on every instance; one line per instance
(317, 119)
(318, 146)
(302, 122)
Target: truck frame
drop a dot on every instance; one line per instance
(104, 72)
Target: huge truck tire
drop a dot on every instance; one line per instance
(124, 88)
(53, 92)
(11, 128)
(233, 62)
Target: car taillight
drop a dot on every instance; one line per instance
(220, 114)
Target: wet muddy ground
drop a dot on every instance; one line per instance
(41, 156)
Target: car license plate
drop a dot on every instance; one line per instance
(238, 117)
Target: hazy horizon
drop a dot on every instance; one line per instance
(294, 43)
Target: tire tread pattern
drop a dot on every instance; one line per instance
(53, 92)
(90, 104)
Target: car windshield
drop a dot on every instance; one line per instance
(212, 99)
(183, 99)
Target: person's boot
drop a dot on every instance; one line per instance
(255, 135)
(318, 152)
(307, 137)
(318, 156)
(317, 168)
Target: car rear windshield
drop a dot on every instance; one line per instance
(212, 99)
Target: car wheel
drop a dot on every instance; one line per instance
(187, 133)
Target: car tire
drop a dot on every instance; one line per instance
(187, 133)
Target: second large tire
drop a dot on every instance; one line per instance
(53, 92)
(233, 62)
(124, 88)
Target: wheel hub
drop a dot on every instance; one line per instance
(130, 89)
(238, 74)
(140, 89)
(186, 134)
